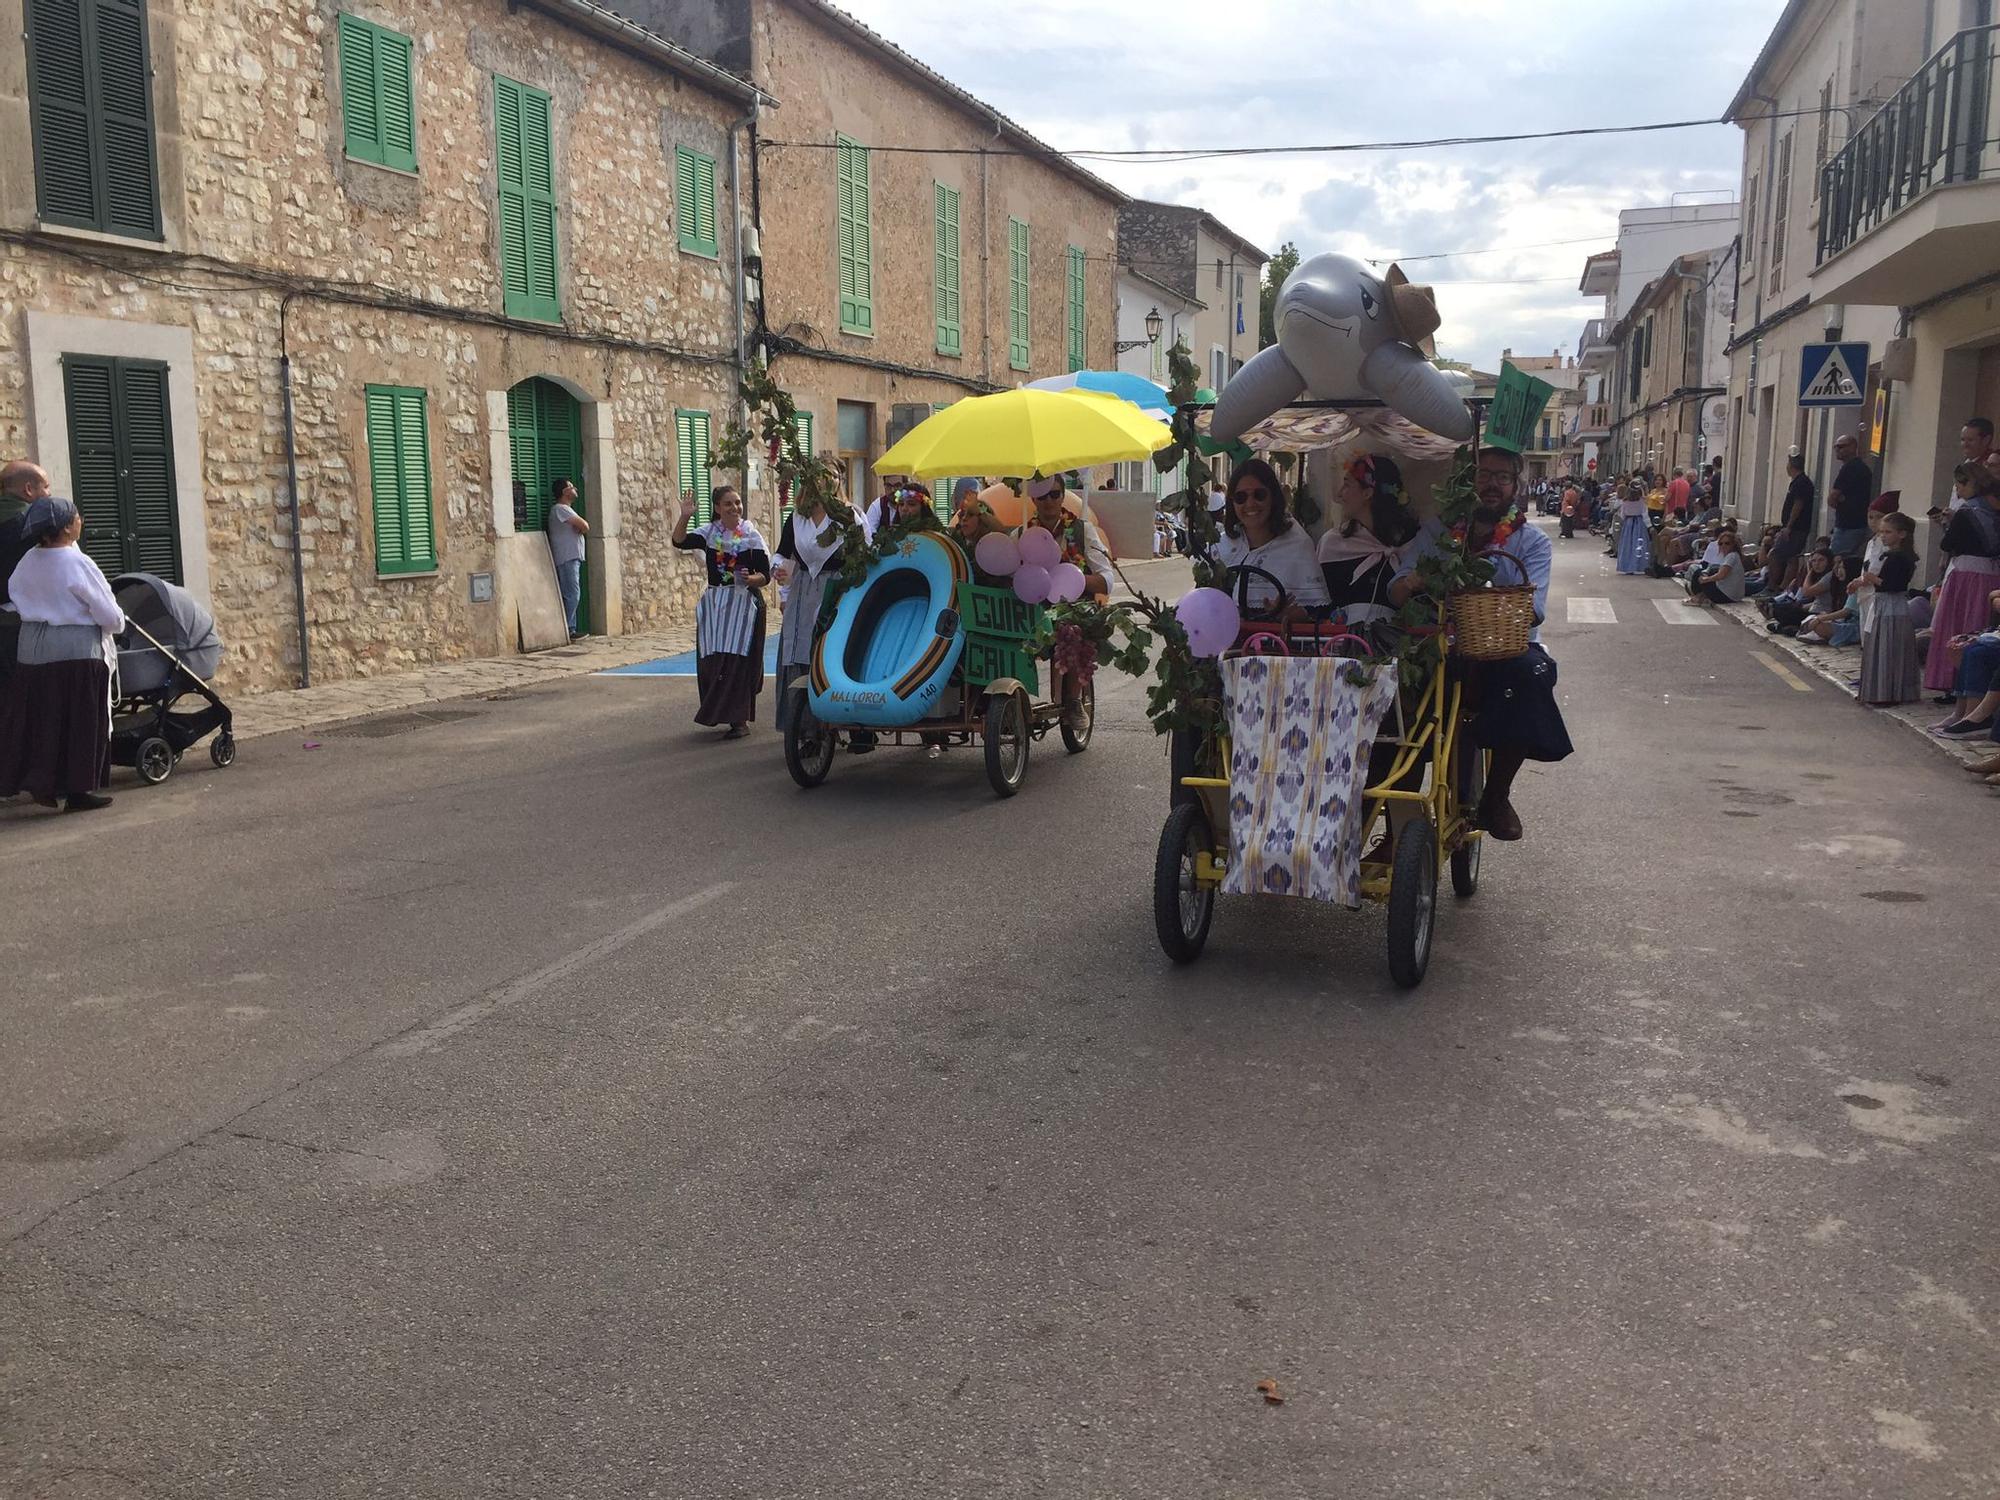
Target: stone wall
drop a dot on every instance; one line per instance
(268, 199)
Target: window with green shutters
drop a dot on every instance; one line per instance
(691, 444)
(91, 105)
(121, 463)
(1076, 302)
(378, 99)
(399, 479)
(1017, 294)
(950, 304)
(802, 431)
(857, 274)
(694, 201)
(523, 128)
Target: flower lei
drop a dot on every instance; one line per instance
(1509, 524)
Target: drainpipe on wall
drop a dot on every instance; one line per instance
(292, 488)
(748, 122)
(985, 269)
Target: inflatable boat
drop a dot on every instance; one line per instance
(885, 658)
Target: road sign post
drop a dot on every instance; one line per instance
(1832, 374)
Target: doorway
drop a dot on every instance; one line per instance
(545, 439)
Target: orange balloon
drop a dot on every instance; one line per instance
(1008, 508)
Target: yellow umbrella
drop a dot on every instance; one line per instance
(1025, 432)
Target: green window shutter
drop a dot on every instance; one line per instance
(950, 303)
(377, 94)
(1076, 309)
(694, 201)
(691, 444)
(524, 149)
(802, 434)
(91, 105)
(1017, 294)
(856, 244)
(399, 479)
(122, 463)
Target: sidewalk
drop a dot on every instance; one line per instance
(291, 711)
(1841, 665)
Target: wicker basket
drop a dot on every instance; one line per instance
(1493, 623)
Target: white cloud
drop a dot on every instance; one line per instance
(1154, 74)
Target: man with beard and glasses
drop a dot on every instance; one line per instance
(1513, 702)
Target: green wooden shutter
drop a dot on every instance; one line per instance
(856, 248)
(694, 201)
(950, 304)
(1076, 309)
(399, 479)
(122, 463)
(1017, 294)
(91, 102)
(377, 94)
(691, 443)
(525, 151)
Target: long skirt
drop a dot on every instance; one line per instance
(55, 729)
(729, 654)
(1515, 706)
(1890, 672)
(1635, 545)
(1962, 609)
(795, 637)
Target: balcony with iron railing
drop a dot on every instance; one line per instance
(1910, 206)
(1593, 421)
(1594, 347)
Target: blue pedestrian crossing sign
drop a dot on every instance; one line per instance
(1832, 374)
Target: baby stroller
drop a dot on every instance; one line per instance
(168, 650)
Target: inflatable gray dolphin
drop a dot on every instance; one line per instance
(1345, 332)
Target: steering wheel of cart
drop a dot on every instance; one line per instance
(1239, 585)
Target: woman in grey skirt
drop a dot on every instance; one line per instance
(809, 554)
(1890, 670)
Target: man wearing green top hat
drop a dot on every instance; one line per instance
(1514, 713)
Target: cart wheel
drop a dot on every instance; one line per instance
(1471, 787)
(1413, 884)
(222, 750)
(1006, 744)
(808, 743)
(154, 761)
(1076, 739)
(1182, 906)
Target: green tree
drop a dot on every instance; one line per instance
(1276, 270)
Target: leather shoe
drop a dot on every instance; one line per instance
(1987, 767)
(1500, 821)
(84, 802)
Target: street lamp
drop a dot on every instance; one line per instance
(1154, 323)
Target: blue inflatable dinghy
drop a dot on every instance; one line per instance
(887, 655)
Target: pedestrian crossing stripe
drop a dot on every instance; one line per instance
(1680, 612)
(1591, 612)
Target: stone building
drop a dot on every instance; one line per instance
(1203, 260)
(918, 246)
(372, 263)
(1671, 366)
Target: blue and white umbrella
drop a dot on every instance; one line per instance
(1141, 392)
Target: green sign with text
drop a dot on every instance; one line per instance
(998, 627)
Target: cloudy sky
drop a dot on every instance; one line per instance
(1151, 74)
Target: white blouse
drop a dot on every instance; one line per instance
(62, 586)
(1290, 557)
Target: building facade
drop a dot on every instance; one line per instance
(1204, 261)
(1151, 317)
(309, 303)
(1670, 367)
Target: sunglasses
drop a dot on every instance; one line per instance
(1256, 493)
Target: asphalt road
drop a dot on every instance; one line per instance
(555, 1101)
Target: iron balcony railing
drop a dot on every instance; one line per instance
(1940, 127)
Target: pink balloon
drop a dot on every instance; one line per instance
(997, 554)
(1065, 583)
(1040, 548)
(1210, 618)
(1031, 583)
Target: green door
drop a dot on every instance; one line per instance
(121, 463)
(545, 432)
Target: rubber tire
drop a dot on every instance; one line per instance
(1186, 831)
(1006, 717)
(1075, 741)
(153, 760)
(1465, 859)
(222, 750)
(809, 764)
(1413, 883)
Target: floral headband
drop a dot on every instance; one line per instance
(1361, 469)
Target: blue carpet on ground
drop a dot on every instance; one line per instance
(683, 665)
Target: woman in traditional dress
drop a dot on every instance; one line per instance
(1635, 539)
(729, 621)
(1972, 542)
(1890, 672)
(1360, 558)
(55, 726)
(1259, 532)
(809, 552)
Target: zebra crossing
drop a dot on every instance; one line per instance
(1675, 611)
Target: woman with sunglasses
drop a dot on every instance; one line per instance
(1258, 532)
(1360, 558)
